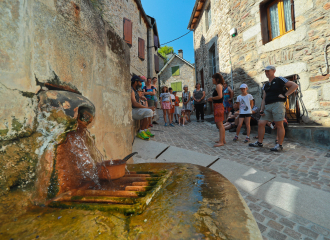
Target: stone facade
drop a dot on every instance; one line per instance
(68, 44)
(298, 52)
(186, 77)
(114, 13)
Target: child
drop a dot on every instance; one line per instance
(177, 109)
(183, 118)
(165, 99)
(245, 102)
(172, 104)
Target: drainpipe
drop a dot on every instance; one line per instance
(195, 57)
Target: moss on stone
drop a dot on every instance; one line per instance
(16, 125)
(3, 132)
(28, 94)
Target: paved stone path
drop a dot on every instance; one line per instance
(299, 162)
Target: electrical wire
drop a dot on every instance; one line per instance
(173, 39)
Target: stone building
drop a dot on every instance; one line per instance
(178, 72)
(139, 31)
(290, 34)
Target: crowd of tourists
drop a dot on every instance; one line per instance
(229, 113)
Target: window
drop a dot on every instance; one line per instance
(176, 71)
(213, 62)
(208, 17)
(156, 63)
(277, 19)
(128, 31)
(141, 48)
(177, 86)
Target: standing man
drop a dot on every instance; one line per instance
(140, 112)
(273, 106)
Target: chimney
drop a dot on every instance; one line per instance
(180, 53)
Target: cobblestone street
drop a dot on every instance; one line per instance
(299, 162)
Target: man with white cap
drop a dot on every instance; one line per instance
(275, 93)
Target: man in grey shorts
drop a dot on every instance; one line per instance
(273, 106)
(140, 112)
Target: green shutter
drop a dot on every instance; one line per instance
(176, 71)
(177, 86)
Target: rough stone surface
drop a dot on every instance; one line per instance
(67, 43)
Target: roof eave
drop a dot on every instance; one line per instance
(144, 15)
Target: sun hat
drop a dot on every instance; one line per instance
(185, 86)
(243, 86)
(270, 67)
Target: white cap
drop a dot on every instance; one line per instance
(243, 86)
(270, 67)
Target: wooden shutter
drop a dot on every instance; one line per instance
(264, 23)
(156, 63)
(179, 86)
(176, 71)
(156, 42)
(128, 27)
(292, 16)
(141, 48)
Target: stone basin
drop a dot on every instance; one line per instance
(194, 203)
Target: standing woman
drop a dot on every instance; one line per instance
(217, 98)
(228, 96)
(165, 99)
(149, 93)
(186, 100)
(199, 101)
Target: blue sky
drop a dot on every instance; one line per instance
(172, 18)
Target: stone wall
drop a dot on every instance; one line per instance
(68, 43)
(114, 13)
(187, 75)
(298, 52)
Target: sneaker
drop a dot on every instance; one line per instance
(171, 124)
(277, 148)
(142, 135)
(176, 121)
(235, 139)
(256, 144)
(149, 134)
(166, 125)
(247, 139)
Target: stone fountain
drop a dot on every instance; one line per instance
(75, 193)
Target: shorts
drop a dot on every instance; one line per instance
(141, 113)
(172, 109)
(245, 115)
(274, 112)
(151, 103)
(177, 110)
(166, 105)
(219, 112)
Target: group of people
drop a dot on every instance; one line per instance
(228, 114)
(272, 110)
(170, 103)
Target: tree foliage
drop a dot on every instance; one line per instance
(165, 50)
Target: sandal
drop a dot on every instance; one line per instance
(247, 139)
(235, 139)
(276, 141)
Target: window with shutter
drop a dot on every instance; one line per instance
(277, 19)
(176, 71)
(208, 17)
(156, 63)
(156, 42)
(128, 27)
(176, 86)
(141, 48)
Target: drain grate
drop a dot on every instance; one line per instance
(130, 194)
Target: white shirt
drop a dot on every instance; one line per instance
(166, 97)
(173, 98)
(244, 104)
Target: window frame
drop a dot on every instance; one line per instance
(265, 22)
(208, 17)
